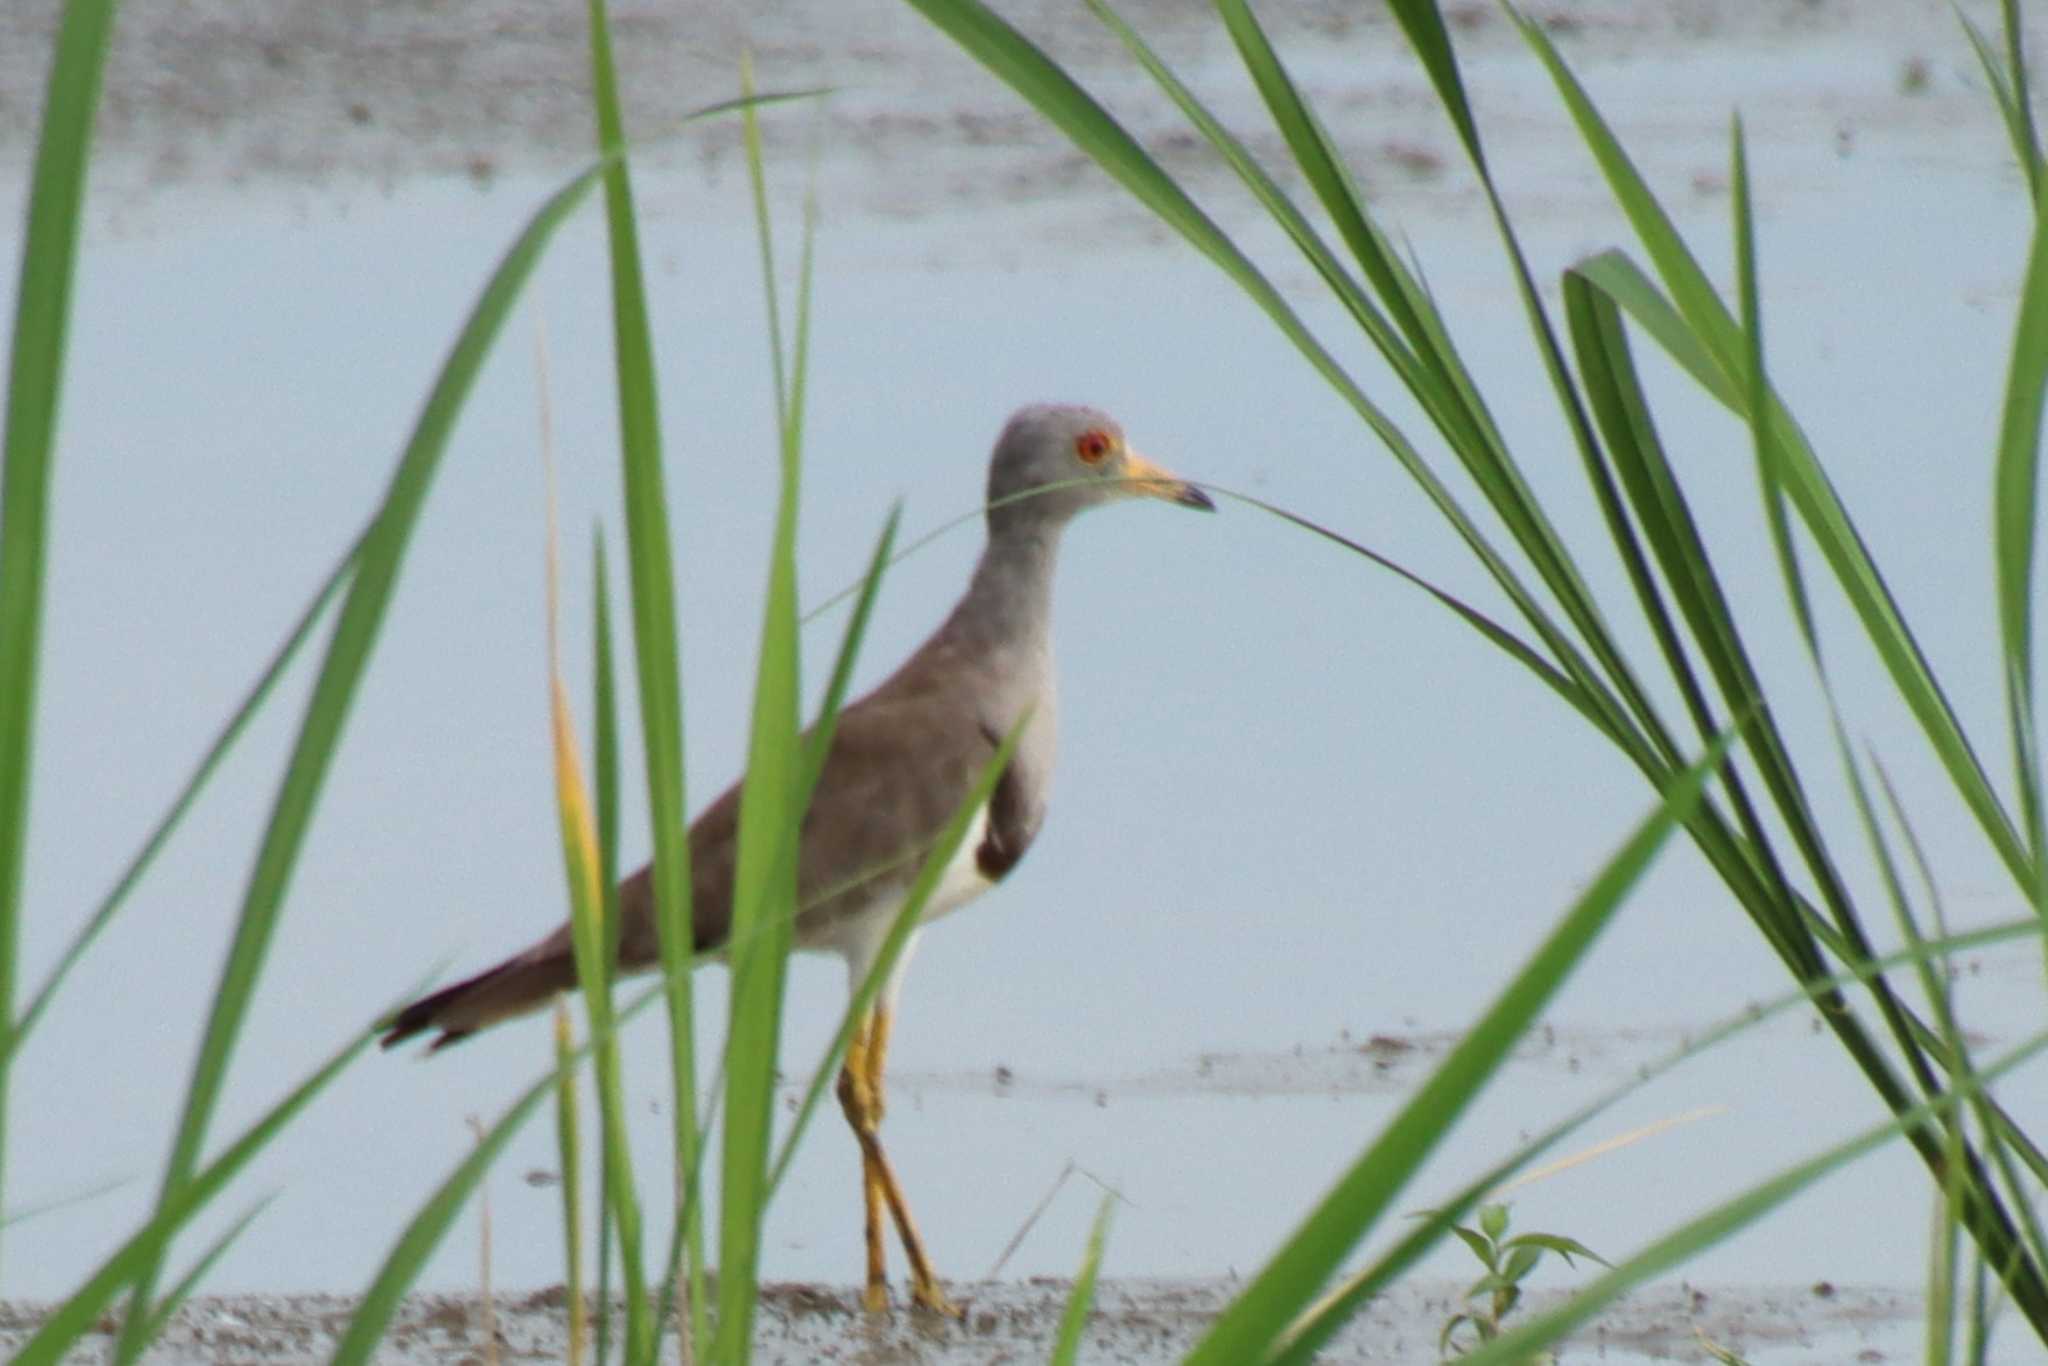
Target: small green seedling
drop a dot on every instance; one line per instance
(1508, 1262)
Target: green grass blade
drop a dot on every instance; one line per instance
(2001, 1138)
(927, 882)
(1429, 363)
(765, 872)
(76, 1316)
(1490, 458)
(656, 653)
(58, 1204)
(35, 381)
(2022, 102)
(423, 1234)
(1054, 94)
(1719, 337)
(1783, 918)
(2019, 119)
(2014, 511)
(1495, 634)
(1770, 471)
(819, 741)
(131, 876)
(1331, 180)
(569, 1151)
(605, 746)
(1622, 411)
(348, 655)
(817, 747)
(605, 708)
(1423, 24)
(1725, 1220)
(1278, 1294)
(1301, 1342)
(764, 237)
(1066, 1347)
(591, 939)
(1622, 280)
(167, 1306)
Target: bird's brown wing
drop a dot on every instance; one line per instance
(898, 769)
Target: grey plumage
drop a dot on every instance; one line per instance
(905, 756)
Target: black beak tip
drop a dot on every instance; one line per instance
(1192, 497)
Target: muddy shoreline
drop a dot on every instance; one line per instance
(1134, 1320)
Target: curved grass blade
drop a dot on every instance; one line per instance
(817, 747)
(1066, 1347)
(651, 560)
(189, 1282)
(1322, 1321)
(934, 867)
(131, 876)
(607, 764)
(1622, 410)
(592, 941)
(2008, 85)
(1718, 336)
(1726, 1219)
(1770, 471)
(64, 1202)
(35, 382)
(764, 896)
(76, 1316)
(348, 655)
(2015, 509)
(1783, 919)
(1011, 56)
(1305, 1263)
(424, 1233)
(569, 1150)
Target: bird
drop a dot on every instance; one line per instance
(903, 760)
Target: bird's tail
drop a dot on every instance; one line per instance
(515, 987)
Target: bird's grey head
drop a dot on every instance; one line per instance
(1079, 458)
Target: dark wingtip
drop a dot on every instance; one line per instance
(419, 1017)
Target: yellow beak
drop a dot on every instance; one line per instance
(1156, 481)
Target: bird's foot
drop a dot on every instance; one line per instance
(926, 1295)
(875, 1299)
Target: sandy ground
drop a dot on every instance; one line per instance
(1134, 1321)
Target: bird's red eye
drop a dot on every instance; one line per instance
(1091, 447)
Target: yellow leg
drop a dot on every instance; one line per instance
(864, 1115)
(861, 1092)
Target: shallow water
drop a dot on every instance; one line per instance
(1299, 807)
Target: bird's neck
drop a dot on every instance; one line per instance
(1008, 605)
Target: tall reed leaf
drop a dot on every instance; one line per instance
(907, 917)
(1277, 1295)
(764, 893)
(651, 562)
(348, 655)
(35, 381)
(2015, 510)
(1719, 337)
(1719, 1223)
(592, 939)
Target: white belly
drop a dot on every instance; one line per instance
(859, 938)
